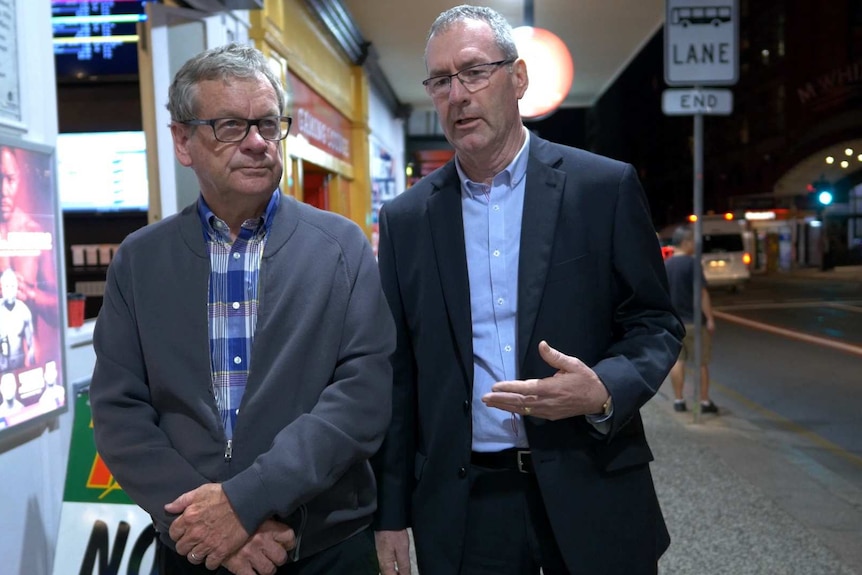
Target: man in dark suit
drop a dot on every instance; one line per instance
(506, 455)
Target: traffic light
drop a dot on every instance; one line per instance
(820, 194)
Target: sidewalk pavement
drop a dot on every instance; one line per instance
(740, 500)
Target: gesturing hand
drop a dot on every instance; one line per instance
(574, 389)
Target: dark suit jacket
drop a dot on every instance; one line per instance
(592, 283)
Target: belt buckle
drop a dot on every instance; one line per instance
(521, 463)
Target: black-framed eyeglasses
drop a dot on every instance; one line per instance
(473, 78)
(232, 130)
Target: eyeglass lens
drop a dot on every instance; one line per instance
(236, 129)
(473, 78)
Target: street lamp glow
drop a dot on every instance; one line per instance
(825, 198)
(830, 160)
(550, 69)
(844, 164)
(848, 151)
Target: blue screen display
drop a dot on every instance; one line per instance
(93, 40)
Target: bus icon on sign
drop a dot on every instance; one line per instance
(686, 16)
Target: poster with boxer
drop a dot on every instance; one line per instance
(32, 383)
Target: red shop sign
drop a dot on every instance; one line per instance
(315, 119)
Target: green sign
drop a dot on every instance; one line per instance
(88, 479)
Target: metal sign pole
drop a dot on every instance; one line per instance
(698, 252)
(701, 48)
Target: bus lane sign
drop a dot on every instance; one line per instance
(701, 42)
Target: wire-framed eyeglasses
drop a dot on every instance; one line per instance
(473, 78)
(232, 130)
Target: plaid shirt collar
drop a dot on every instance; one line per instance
(215, 227)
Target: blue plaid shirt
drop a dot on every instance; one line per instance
(232, 305)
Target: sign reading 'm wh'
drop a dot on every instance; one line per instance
(102, 532)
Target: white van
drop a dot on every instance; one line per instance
(726, 256)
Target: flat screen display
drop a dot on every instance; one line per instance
(32, 383)
(94, 40)
(102, 171)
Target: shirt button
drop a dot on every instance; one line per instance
(466, 406)
(496, 208)
(237, 411)
(499, 301)
(508, 348)
(236, 255)
(462, 473)
(237, 360)
(236, 305)
(496, 253)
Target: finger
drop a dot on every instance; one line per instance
(286, 539)
(403, 560)
(505, 398)
(178, 505)
(273, 550)
(196, 558)
(389, 566)
(276, 553)
(212, 562)
(238, 566)
(556, 358)
(386, 559)
(509, 407)
(519, 387)
(262, 565)
(176, 531)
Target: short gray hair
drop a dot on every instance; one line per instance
(499, 25)
(682, 234)
(232, 60)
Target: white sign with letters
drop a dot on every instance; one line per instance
(701, 42)
(689, 102)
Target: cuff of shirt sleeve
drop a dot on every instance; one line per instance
(601, 423)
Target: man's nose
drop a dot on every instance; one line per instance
(253, 138)
(457, 91)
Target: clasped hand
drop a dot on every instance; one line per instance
(573, 390)
(209, 531)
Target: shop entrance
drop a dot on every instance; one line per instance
(316, 185)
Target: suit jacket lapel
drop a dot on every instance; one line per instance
(542, 199)
(447, 231)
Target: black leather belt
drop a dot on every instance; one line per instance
(515, 459)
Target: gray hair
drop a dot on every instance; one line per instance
(230, 61)
(499, 25)
(682, 234)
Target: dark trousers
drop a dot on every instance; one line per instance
(354, 556)
(508, 532)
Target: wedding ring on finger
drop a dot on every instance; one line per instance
(193, 557)
(527, 410)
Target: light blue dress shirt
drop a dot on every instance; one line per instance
(492, 236)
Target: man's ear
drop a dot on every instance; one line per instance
(182, 136)
(519, 77)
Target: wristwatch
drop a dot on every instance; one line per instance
(607, 407)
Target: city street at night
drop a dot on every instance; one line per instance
(782, 492)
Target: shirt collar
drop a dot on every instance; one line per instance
(213, 225)
(511, 175)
